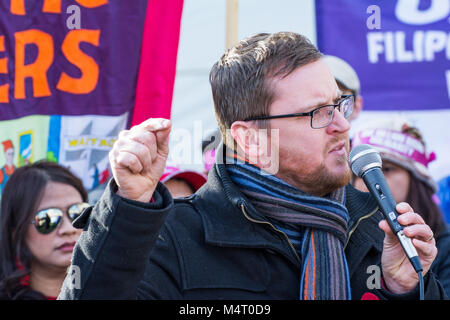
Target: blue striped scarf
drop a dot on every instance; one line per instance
(316, 226)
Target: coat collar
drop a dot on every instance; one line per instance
(227, 225)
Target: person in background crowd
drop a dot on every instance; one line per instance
(209, 146)
(444, 197)
(38, 205)
(347, 81)
(182, 183)
(405, 166)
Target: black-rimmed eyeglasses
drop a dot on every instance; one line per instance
(322, 116)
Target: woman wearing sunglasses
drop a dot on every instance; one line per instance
(38, 205)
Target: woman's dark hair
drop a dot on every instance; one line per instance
(420, 197)
(20, 199)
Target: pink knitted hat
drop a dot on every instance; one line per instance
(388, 137)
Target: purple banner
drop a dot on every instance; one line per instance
(400, 49)
(69, 57)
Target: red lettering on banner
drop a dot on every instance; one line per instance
(36, 70)
(4, 98)
(89, 68)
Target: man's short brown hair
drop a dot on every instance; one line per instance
(241, 79)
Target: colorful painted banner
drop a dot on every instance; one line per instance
(84, 144)
(68, 77)
(23, 141)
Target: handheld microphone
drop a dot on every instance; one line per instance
(366, 163)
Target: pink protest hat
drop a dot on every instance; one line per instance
(194, 178)
(391, 139)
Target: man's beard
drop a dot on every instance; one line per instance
(321, 181)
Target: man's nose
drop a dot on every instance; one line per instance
(339, 123)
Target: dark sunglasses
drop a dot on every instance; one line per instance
(47, 220)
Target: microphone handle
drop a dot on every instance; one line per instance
(378, 187)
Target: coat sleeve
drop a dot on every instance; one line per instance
(111, 255)
(432, 291)
(441, 265)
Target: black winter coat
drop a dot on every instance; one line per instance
(441, 265)
(212, 245)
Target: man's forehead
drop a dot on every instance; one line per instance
(326, 98)
(308, 87)
(337, 94)
(326, 90)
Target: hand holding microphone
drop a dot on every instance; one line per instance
(406, 234)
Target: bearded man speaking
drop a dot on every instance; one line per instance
(277, 218)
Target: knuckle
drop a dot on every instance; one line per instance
(133, 162)
(120, 143)
(111, 155)
(125, 158)
(143, 137)
(146, 138)
(121, 159)
(421, 219)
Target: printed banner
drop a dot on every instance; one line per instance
(69, 57)
(68, 77)
(400, 49)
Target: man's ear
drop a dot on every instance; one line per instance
(247, 139)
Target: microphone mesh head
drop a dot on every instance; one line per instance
(362, 156)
